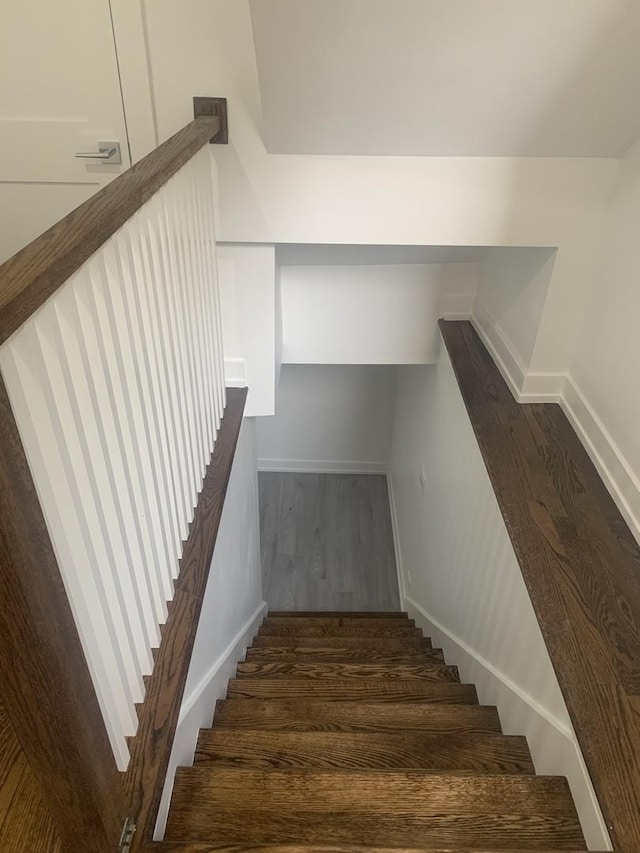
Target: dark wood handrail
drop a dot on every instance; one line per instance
(31, 276)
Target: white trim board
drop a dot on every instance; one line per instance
(616, 473)
(396, 541)
(199, 704)
(553, 743)
(525, 387)
(321, 466)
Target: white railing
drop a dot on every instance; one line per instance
(117, 388)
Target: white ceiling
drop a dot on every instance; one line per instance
(449, 77)
(320, 254)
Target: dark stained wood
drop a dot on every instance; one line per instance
(312, 669)
(25, 822)
(336, 654)
(225, 847)
(327, 759)
(364, 750)
(359, 614)
(581, 566)
(45, 683)
(344, 641)
(151, 747)
(209, 107)
(358, 630)
(305, 715)
(352, 690)
(392, 808)
(37, 271)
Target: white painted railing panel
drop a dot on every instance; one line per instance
(117, 388)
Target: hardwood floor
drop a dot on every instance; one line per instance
(25, 824)
(581, 565)
(327, 542)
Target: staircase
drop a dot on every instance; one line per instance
(349, 729)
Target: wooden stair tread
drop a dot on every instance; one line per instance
(339, 620)
(393, 643)
(363, 689)
(349, 732)
(337, 654)
(366, 628)
(248, 847)
(308, 715)
(382, 750)
(428, 671)
(387, 807)
(341, 614)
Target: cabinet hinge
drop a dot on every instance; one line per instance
(126, 838)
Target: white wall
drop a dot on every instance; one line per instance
(329, 418)
(458, 77)
(510, 301)
(602, 394)
(231, 610)
(248, 302)
(368, 314)
(460, 578)
(444, 201)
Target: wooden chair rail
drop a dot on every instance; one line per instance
(37, 271)
(581, 565)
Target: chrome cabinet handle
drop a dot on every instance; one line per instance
(108, 152)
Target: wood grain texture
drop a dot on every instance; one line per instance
(364, 750)
(337, 654)
(371, 623)
(344, 641)
(327, 542)
(151, 747)
(37, 271)
(345, 690)
(357, 630)
(313, 669)
(45, 683)
(248, 847)
(581, 566)
(343, 806)
(344, 614)
(25, 822)
(306, 715)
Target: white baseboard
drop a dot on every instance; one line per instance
(197, 707)
(321, 466)
(506, 358)
(526, 387)
(552, 741)
(235, 372)
(396, 542)
(615, 471)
